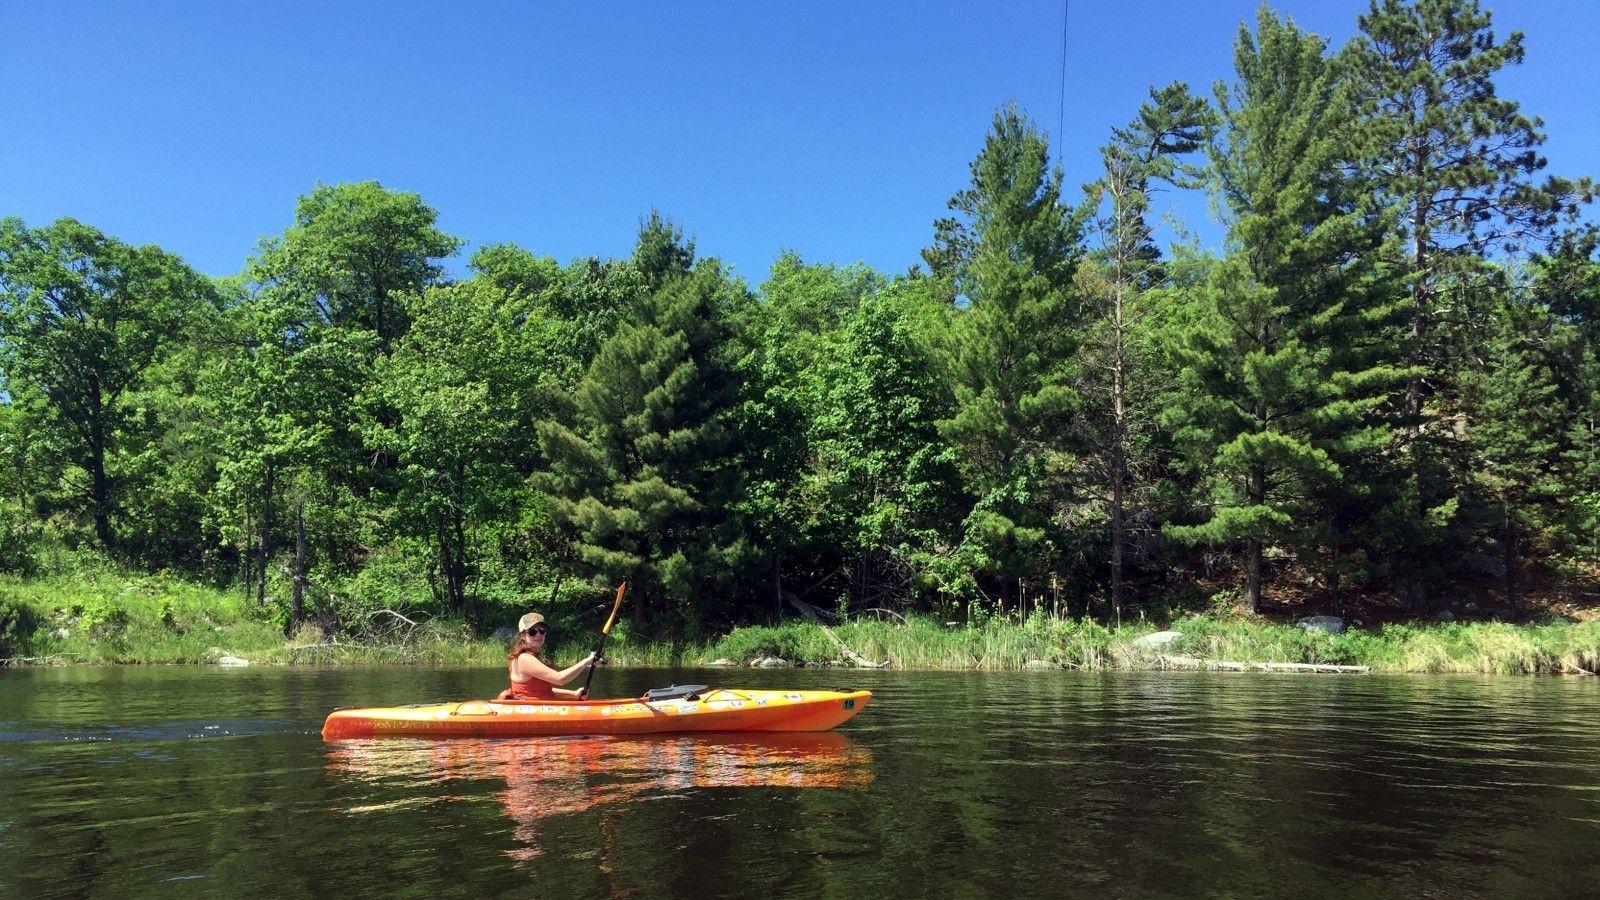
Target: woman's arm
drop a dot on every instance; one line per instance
(528, 664)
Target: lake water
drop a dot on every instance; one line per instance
(197, 782)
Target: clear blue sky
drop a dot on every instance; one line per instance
(834, 129)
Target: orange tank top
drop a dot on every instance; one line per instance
(532, 689)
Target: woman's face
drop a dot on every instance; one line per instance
(536, 634)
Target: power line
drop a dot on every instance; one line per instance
(1061, 105)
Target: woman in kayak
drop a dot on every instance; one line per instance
(531, 679)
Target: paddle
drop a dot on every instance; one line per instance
(602, 644)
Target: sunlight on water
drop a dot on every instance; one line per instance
(144, 780)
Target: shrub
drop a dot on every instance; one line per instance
(17, 625)
(19, 539)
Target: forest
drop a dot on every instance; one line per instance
(1380, 394)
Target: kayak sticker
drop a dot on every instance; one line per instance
(795, 697)
(605, 710)
(850, 704)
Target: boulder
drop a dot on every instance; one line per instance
(504, 633)
(1157, 640)
(1038, 664)
(1329, 624)
(721, 664)
(62, 634)
(771, 662)
(232, 662)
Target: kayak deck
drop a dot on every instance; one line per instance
(719, 709)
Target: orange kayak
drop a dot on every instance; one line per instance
(718, 709)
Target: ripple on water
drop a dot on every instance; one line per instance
(964, 783)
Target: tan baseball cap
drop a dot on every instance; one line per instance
(528, 621)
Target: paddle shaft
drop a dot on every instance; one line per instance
(601, 644)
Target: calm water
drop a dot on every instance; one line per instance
(163, 782)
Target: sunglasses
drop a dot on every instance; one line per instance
(538, 629)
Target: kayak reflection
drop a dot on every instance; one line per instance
(548, 777)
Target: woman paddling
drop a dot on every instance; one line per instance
(531, 679)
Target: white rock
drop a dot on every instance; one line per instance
(771, 662)
(1157, 639)
(1330, 624)
(1040, 664)
(232, 661)
(721, 664)
(62, 634)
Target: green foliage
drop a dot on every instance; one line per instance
(17, 625)
(1361, 397)
(642, 470)
(1009, 257)
(19, 536)
(83, 316)
(1286, 375)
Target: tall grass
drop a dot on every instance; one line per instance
(100, 617)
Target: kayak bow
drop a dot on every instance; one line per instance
(720, 709)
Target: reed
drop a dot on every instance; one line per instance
(106, 618)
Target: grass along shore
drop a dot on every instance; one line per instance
(110, 619)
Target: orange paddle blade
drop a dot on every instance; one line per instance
(614, 608)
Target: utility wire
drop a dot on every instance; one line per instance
(1061, 105)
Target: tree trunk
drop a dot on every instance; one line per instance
(1509, 550)
(246, 554)
(458, 571)
(1252, 562)
(776, 612)
(297, 592)
(1118, 455)
(100, 486)
(263, 546)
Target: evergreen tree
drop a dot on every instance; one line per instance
(1567, 284)
(1170, 125)
(644, 470)
(1009, 258)
(1519, 422)
(1286, 373)
(1461, 164)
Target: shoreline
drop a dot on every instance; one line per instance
(151, 620)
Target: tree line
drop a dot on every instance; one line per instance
(1383, 384)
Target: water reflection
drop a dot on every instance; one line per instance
(550, 777)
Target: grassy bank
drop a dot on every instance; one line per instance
(111, 619)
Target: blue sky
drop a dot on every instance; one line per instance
(834, 129)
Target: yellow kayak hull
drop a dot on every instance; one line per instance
(719, 709)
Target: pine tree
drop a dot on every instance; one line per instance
(1519, 420)
(1170, 125)
(1461, 164)
(1287, 371)
(1567, 284)
(644, 468)
(1009, 257)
